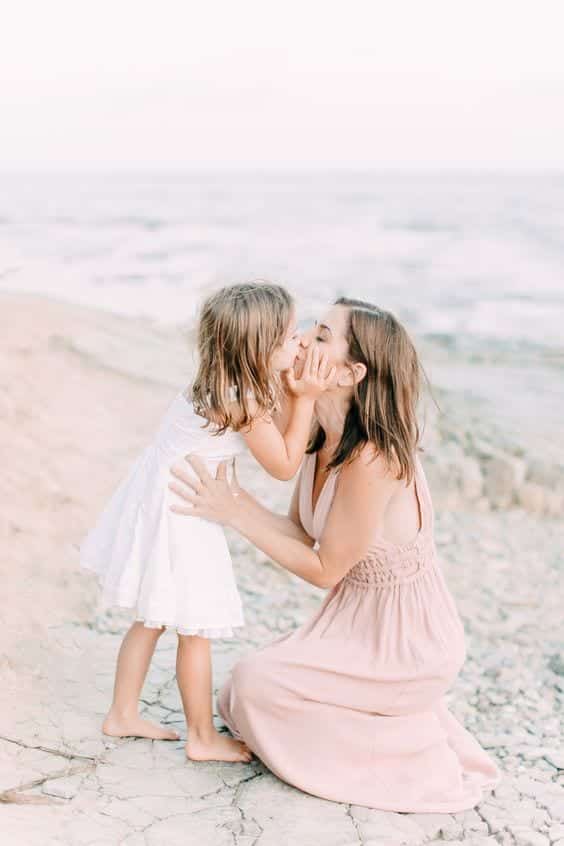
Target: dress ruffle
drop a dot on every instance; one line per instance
(209, 633)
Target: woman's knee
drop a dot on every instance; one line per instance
(224, 700)
(249, 677)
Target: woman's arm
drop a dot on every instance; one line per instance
(362, 496)
(289, 525)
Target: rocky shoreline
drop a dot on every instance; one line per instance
(470, 463)
(80, 394)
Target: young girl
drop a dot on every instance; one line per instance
(176, 572)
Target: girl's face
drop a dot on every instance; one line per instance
(284, 356)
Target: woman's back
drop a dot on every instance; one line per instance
(402, 520)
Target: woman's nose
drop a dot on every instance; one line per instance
(305, 339)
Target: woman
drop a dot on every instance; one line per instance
(350, 706)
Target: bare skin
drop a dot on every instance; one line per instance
(194, 678)
(193, 671)
(370, 498)
(123, 719)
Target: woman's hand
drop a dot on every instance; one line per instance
(316, 375)
(212, 499)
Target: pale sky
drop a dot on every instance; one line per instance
(172, 84)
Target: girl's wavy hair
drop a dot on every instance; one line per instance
(239, 328)
(384, 403)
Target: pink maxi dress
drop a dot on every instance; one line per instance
(350, 706)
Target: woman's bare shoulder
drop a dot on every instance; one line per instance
(369, 463)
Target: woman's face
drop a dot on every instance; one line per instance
(329, 335)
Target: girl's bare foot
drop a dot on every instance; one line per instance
(216, 747)
(135, 726)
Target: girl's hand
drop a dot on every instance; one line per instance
(212, 499)
(315, 378)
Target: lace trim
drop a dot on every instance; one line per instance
(225, 631)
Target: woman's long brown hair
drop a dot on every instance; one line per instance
(384, 403)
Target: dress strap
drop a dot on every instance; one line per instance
(305, 482)
(423, 496)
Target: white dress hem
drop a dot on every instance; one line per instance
(208, 632)
(112, 598)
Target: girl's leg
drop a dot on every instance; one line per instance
(194, 677)
(134, 657)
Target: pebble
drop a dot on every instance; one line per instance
(556, 664)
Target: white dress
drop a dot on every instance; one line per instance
(174, 570)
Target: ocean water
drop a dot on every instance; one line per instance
(473, 263)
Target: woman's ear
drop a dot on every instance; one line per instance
(352, 374)
(359, 372)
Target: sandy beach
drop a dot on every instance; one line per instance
(81, 392)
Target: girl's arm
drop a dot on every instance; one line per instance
(282, 416)
(362, 496)
(281, 453)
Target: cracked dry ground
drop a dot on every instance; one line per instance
(63, 783)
